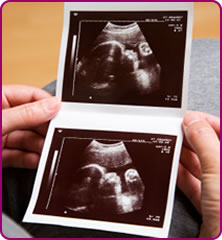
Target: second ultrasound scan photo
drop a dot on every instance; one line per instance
(129, 59)
(107, 176)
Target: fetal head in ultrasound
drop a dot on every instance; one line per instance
(107, 181)
(120, 62)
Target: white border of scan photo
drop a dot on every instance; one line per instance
(121, 7)
(144, 126)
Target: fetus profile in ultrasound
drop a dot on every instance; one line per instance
(120, 64)
(107, 181)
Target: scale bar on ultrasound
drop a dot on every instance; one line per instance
(53, 163)
(51, 173)
(72, 58)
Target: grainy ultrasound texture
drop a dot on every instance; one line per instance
(128, 59)
(121, 60)
(107, 176)
(106, 182)
(107, 155)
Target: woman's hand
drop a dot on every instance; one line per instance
(25, 115)
(199, 170)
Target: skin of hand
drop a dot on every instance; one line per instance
(25, 115)
(199, 169)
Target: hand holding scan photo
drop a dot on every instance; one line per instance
(199, 171)
(115, 145)
(25, 115)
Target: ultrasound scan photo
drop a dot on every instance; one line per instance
(127, 59)
(107, 181)
(121, 61)
(107, 176)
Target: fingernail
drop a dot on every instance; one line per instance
(190, 119)
(51, 104)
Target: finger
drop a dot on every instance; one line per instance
(29, 115)
(186, 143)
(19, 159)
(204, 141)
(14, 95)
(212, 120)
(190, 186)
(190, 161)
(25, 140)
(42, 129)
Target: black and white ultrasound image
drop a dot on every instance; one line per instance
(120, 62)
(125, 58)
(118, 177)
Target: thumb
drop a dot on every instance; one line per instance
(29, 115)
(204, 142)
